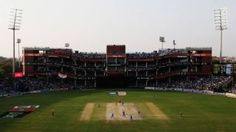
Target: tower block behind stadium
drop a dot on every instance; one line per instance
(116, 68)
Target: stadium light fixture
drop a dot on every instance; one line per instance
(15, 21)
(174, 43)
(67, 45)
(162, 40)
(221, 24)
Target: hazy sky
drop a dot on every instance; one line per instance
(89, 25)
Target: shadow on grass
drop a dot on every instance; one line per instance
(47, 101)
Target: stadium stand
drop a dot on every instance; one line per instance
(120, 69)
(52, 69)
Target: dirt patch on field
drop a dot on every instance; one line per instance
(119, 111)
(156, 111)
(87, 112)
(122, 111)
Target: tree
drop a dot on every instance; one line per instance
(5, 67)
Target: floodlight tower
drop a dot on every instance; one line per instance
(67, 45)
(162, 40)
(18, 41)
(15, 19)
(174, 43)
(220, 22)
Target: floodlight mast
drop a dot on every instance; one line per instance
(15, 19)
(162, 40)
(18, 41)
(174, 43)
(220, 22)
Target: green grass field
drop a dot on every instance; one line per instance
(200, 112)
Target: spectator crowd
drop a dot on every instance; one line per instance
(214, 83)
(27, 84)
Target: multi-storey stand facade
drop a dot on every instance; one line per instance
(116, 68)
